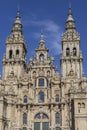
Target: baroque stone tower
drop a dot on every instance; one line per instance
(34, 96)
(14, 61)
(71, 58)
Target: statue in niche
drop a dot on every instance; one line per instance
(41, 72)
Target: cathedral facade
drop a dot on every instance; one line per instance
(35, 96)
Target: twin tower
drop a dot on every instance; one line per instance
(16, 49)
(34, 96)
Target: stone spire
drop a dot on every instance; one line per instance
(16, 35)
(42, 42)
(17, 26)
(70, 23)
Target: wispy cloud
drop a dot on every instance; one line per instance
(48, 25)
(52, 34)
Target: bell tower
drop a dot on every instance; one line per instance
(15, 57)
(71, 57)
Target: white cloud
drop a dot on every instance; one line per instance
(51, 31)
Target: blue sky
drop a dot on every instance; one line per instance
(47, 15)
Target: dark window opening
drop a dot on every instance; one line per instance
(24, 128)
(41, 97)
(57, 98)
(36, 125)
(57, 118)
(37, 116)
(45, 126)
(24, 118)
(44, 116)
(41, 122)
(74, 52)
(41, 82)
(17, 52)
(58, 128)
(67, 51)
(10, 54)
(41, 115)
(25, 99)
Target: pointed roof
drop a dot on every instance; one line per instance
(70, 17)
(18, 17)
(42, 46)
(17, 26)
(16, 35)
(70, 23)
(42, 42)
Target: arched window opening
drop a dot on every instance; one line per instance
(57, 118)
(74, 52)
(41, 57)
(37, 116)
(17, 52)
(57, 98)
(41, 122)
(48, 73)
(44, 116)
(34, 73)
(83, 105)
(41, 82)
(67, 51)
(41, 115)
(41, 97)
(24, 128)
(24, 118)
(25, 99)
(10, 54)
(79, 105)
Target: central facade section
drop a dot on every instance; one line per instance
(42, 96)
